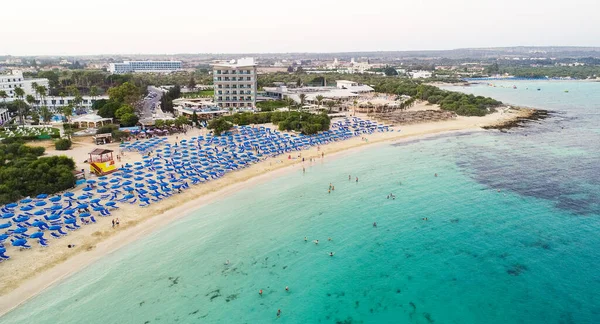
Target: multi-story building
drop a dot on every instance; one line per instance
(145, 66)
(11, 80)
(4, 116)
(235, 83)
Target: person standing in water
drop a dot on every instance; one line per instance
(278, 312)
(374, 224)
(356, 179)
(349, 177)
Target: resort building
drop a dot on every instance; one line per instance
(90, 121)
(204, 108)
(56, 103)
(4, 116)
(421, 74)
(343, 91)
(235, 84)
(10, 80)
(145, 66)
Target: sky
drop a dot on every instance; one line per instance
(75, 27)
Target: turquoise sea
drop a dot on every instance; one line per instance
(512, 236)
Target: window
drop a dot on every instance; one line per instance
(248, 78)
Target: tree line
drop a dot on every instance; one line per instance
(303, 122)
(23, 172)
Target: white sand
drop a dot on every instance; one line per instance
(31, 271)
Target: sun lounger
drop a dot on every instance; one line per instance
(55, 235)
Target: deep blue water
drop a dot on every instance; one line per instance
(511, 236)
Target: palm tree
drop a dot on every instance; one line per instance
(34, 87)
(302, 97)
(319, 99)
(93, 92)
(45, 114)
(68, 111)
(354, 107)
(19, 92)
(3, 95)
(289, 102)
(42, 90)
(330, 104)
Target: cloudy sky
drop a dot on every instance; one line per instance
(63, 27)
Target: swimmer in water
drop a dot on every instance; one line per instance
(349, 178)
(287, 288)
(329, 239)
(227, 262)
(356, 179)
(278, 312)
(316, 241)
(305, 239)
(330, 253)
(260, 292)
(436, 174)
(374, 224)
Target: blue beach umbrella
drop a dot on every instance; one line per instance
(69, 211)
(53, 217)
(12, 205)
(41, 203)
(42, 196)
(56, 207)
(20, 230)
(69, 194)
(70, 221)
(36, 235)
(55, 227)
(26, 208)
(82, 197)
(5, 225)
(85, 215)
(39, 212)
(8, 215)
(82, 206)
(19, 242)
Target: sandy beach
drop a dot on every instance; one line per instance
(31, 271)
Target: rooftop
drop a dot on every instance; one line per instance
(242, 62)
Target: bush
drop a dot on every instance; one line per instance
(106, 129)
(63, 144)
(219, 126)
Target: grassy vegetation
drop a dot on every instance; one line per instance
(271, 105)
(303, 122)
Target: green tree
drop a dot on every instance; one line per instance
(302, 97)
(19, 92)
(195, 119)
(3, 95)
(123, 110)
(67, 111)
(319, 99)
(330, 104)
(159, 123)
(127, 93)
(219, 126)
(63, 144)
(390, 71)
(45, 114)
(128, 120)
(42, 91)
(35, 117)
(180, 121)
(93, 92)
(192, 84)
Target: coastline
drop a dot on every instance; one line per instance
(32, 279)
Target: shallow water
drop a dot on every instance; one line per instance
(511, 237)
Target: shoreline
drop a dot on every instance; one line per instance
(102, 243)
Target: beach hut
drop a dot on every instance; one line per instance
(102, 161)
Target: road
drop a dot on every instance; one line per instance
(149, 103)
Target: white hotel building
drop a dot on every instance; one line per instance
(235, 83)
(11, 80)
(145, 66)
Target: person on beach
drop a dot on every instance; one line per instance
(322, 154)
(113, 223)
(117, 222)
(303, 170)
